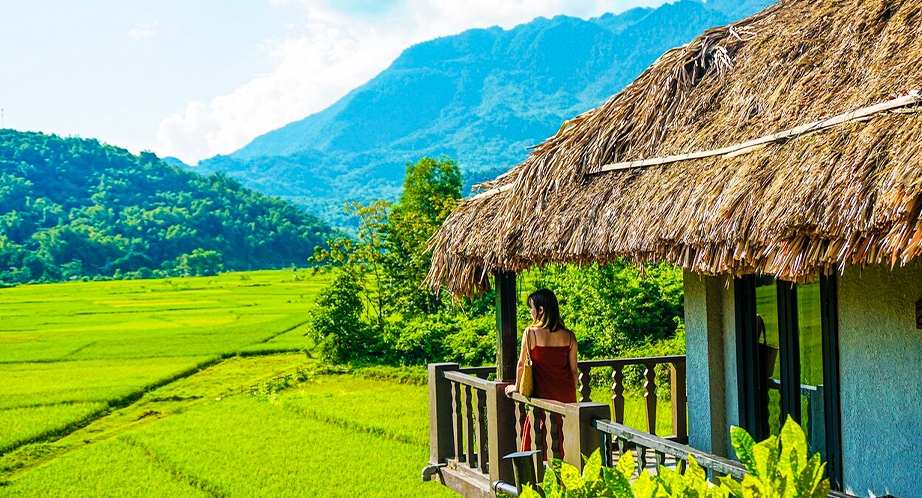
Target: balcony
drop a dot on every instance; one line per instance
(473, 424)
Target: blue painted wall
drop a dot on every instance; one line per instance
(880, 352)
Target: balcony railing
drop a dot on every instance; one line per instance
(473, 425)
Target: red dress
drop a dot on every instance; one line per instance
(552, 379)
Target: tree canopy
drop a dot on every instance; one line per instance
(75, 208)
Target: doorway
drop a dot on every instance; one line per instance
(788, 363)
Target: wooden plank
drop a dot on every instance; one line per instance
(468, 421)
(469, 381)
(465, 481)
(441, 435)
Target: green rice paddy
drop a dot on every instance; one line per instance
(172, 388)
(155, 388)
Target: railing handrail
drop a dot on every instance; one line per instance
(671, 448)
(481, 372)
(622, 362)
(548, 405)
(805, 389)
(470, 380)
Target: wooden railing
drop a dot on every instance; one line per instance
(677, 387)
(474, 424)
(471, 427)
(651, 452)
(617, 439)
(571, 420)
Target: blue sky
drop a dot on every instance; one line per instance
(195, 78)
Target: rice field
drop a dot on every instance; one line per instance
(196, 387)
(158, 388)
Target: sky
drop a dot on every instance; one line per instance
(196, 78)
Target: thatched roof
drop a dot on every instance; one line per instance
(813, 202)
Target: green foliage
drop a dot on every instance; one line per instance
(614, 307)
(390, 316)
(562, 480)
(72, 209)
(200, 262)
(337, 326)
(779, 467)
(431, 191)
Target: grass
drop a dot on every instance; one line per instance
(208, 435)
(21, 425)
(78, 343)
(168, 388)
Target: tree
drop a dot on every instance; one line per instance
(431, 191)
(337, 326)
(200, 262)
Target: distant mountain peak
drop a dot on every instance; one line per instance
(481, 97)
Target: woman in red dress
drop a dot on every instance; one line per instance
(553, 355)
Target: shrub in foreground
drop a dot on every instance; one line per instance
(779, 467)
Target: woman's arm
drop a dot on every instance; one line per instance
(523, 351)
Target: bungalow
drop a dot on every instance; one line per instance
(778, 161)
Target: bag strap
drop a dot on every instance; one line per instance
(527, 345)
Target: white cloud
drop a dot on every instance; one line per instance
(332, 52)
(143, 30)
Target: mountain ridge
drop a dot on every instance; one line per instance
(482, 97)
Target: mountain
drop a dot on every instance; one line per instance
(75, 208)
(481, 97)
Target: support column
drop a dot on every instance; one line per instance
(706, 362)
(580, 438)
(507, 351)
(441, 413)
(501, 432)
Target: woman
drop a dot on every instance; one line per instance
(553, 355)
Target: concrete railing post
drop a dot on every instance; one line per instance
(579, 437)
(501, 433)
(441, 434)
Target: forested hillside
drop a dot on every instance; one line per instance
(481, 97)
(73, 208)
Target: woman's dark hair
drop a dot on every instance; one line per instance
(550, 317)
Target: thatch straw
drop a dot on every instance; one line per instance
(848, 195)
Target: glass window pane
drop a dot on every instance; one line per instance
(767, 310)
(810, 334)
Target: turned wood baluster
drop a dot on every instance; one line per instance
(649, 394)
(520, 415)
(482, 448)
(606, 450)
(617, 398)
(537, 441)
(469, 427)
(585, 386)
(679, 401)
(553, 423)
(456, 419)
(641, 458)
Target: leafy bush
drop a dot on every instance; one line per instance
(617, 306)
(337, 326)
(779, 467)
